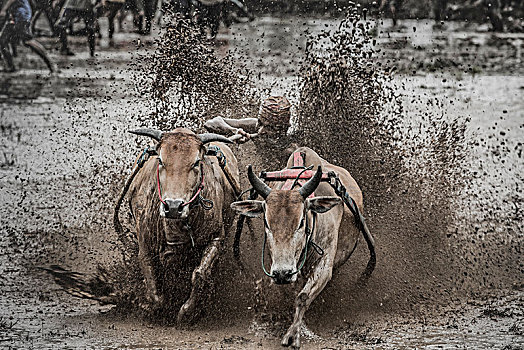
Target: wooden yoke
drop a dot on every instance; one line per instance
(296, 173)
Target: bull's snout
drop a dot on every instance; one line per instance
(173, 208)
(283, 276)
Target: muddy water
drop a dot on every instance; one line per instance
(65, 152)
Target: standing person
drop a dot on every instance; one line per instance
(150, 7)
(18, 15)
(137, 9)
(180, 7)
(394, 7)
(84, 9)
(111, 8)
(493, 8)
(210, 14)
(439, 10)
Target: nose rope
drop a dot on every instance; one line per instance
(158, 184)
(200, 188)
(309, 236)
(263, 253)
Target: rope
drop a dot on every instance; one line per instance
(240, 225)
(295, 182)
(207, 204)
(200, 188)
(222, 161)
(116, 219)
(158, 183)
(340, 190)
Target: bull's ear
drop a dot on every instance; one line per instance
(322, 204)
(250, 208)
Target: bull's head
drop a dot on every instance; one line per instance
(180, 154)
(286, 215)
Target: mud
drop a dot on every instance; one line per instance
(449, 268)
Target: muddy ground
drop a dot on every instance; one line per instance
(65, 153)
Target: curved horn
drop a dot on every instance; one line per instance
(155, 134)
(259, 186)
(310, 186)
(210, 137)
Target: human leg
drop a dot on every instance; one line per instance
(113, 8)
(5, 41)
(37, 48)
(23, 30)
(61, 26)
(90, 21)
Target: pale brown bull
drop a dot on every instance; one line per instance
(289, 214)
(180, 201)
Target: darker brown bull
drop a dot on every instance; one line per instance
(179, 233)
(289, 214)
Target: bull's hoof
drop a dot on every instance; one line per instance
(152, 303)
(147, 307)
(185, 315)
(155, 299)
(292, 338)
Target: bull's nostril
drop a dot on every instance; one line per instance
(173, 208)
(283, 276)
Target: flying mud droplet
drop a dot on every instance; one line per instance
(189, 83)
(414, 173)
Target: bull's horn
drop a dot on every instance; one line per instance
(259, 186)
(210, 137)
(310, 186)
(155, 134)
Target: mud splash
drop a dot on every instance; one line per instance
(70, 160)
(412, 172)
(416, 179)
(190, 83)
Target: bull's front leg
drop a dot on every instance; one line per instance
(148, 272)
(200, 275)
(315, 284)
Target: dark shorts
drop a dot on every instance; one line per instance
(69, 15)
(18, 31)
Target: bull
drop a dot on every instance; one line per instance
(180, 201)
(293, 222)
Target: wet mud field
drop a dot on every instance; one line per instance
(450, 268)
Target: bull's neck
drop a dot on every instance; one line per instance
(209, 178)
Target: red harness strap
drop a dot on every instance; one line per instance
(158, 184)
(290, 175)
(200, 188)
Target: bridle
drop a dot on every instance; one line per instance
(309, 236)
(196, 199)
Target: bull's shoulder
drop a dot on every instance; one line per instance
(352, 187)
(231, 160)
